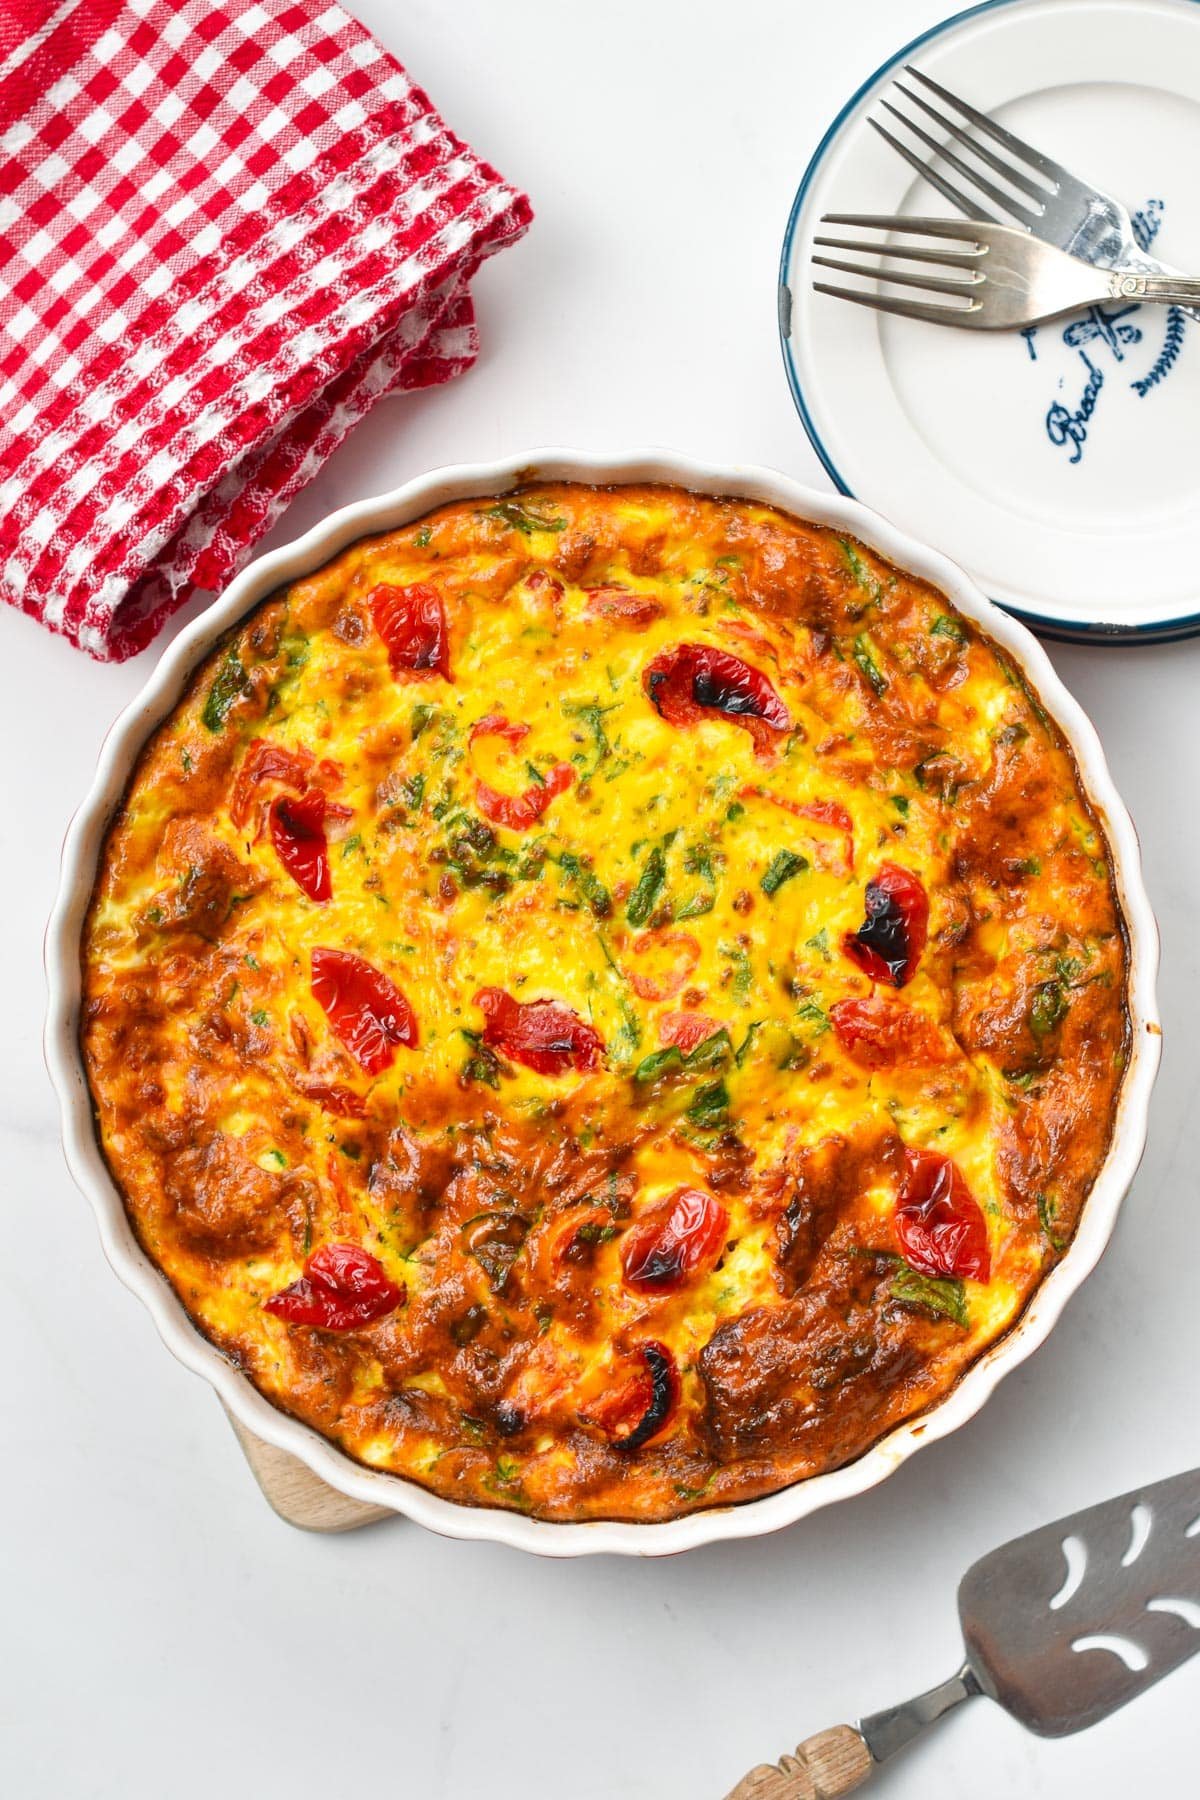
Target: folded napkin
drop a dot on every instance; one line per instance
(225, 231)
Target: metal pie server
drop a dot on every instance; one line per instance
(1061, 1627)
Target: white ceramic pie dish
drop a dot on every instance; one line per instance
(82, 848)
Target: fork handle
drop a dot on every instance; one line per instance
(1168, 290)
(825, 1766)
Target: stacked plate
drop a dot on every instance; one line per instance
(1060, 465)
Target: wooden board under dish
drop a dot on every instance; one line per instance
(296, 1494)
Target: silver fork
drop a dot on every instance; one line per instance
(1050, 202)
(998, 278)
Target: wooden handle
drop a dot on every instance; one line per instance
(828, 1764)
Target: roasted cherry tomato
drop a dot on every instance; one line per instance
(682, 1237)
(412, 623)
(887, 946)
(298, 835)
(640, 1406)
(517, 811)
(686, 1030)
(882, 1034)
(520, 811)
(367, 1011)
(266, 762)
(939, 1222)
(342, 1287)
(694, 681)
(635, 610)
(541, 1034)
(686, 950)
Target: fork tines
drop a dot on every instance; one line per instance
(965, 259)
(1018, 169)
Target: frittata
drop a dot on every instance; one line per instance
(604, 1001)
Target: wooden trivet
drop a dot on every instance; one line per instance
(296, 1494)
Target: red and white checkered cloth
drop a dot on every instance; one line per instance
(225, 231)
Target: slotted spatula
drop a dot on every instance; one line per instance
(1061, 1627)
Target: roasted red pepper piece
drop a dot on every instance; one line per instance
(882, 1034)
(695, 681)
(412, 623)
(541, 1034)
(686, 1030)
(664, 987)
(520, 811)
(368, 1012)
(638, 1409)
(939, 1223)
(297, 820)
(517, 811)
(298, 835)
(887, 946)
(826, 812)
(635, 610)
(341, 1288)
(681, 1237)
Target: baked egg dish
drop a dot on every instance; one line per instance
(604, 1001)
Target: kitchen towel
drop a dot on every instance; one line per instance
(226, 230)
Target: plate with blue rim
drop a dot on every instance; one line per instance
(1061, 465)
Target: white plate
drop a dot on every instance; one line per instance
(1061, 468)
(82, 849)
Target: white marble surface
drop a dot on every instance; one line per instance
(161, 1633)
